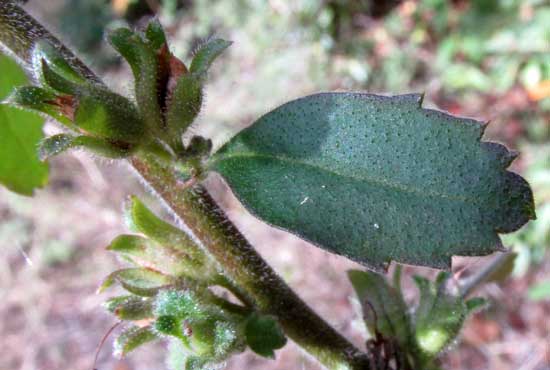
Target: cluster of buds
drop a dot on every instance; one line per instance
(410, 339)
(168, 98)
(168, 296)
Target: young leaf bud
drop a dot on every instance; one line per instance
(142, 58)
(147, 253)
(132, 338)
(108, 115)
(130, 307)
(438, 317)
(264, 335)
(184, 104)
(45, 101)
(206, 54)
(42, 52)
(140, 281)
(191, 260)
(155, 34)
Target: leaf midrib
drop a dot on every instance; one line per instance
(423, 193)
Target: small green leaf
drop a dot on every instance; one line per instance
(59, 143)
(384, 309)
(44, 51)
(185, 104)
(142, 58)
(145, 252)
(38, 99)
(108, 115)
(206, 54)
(155, 34)
(130, 307)
(377, 178)
(193, 259)
(54, 145)
(132, 338)
(140, 281)
(439, 316)
(21, 170)
(264, 335)
(56, 81)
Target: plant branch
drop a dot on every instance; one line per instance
(469, 284)
(196, 208)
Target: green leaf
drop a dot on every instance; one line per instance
(59, 143)
(145, 252)
(140, 281)
(377, 179)
(44, 51)
(384, 309)
(132, 338)
(206, 54)
(155, 34)
(440, 315)
(108, 115)
(193, 260)
(20, 168)
(38, 99)
(50, 78)
(130, 307)
(185, 104)
(142, 58)
(264, 335)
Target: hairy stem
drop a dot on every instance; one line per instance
(196, 208)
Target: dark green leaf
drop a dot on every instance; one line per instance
(132, 338)
(377, 179)
(384, 310)
(264, 335)
(206, 54)
(155, 34)
(20, 168)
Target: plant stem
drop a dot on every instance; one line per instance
(469, 284)
(196, 208)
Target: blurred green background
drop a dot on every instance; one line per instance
(487, 59)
